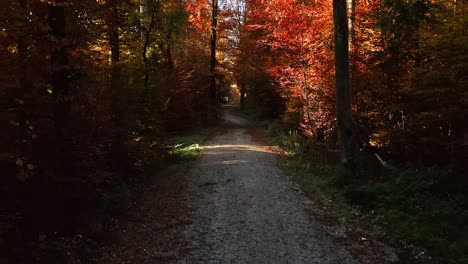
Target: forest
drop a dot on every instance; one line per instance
(99, 97)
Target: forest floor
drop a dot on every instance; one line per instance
(235, 203)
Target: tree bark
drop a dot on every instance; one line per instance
(352, 26)
(352, 40)
(25, 81)
(213, 92)
(146, 43)
(170, 59)
(343, 92)
(23, 69)
(148, 15)
(114, 44)
(60, 81)
(119, 151)
(144, 4)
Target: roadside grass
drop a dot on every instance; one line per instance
(188, 146)
(180, 150)
(417, 205)
(426, 206)
(318, 179)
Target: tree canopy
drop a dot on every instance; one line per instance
(91, 87)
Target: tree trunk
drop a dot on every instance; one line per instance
(23, 69)
(60, 80)
(343, 92)
(119, 150)
(213, 93)
(352, 40)
(114, 44)
(25, 81)
(170, 59)
(148, 28)
(144, 5)
(147, 66)
(352, 26)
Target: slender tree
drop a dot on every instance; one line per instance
(213, 39)
(119, 152)
(114, 44)
(147, 22)
(343, 91)
(25, 81)
(23, 69)
(60, 79)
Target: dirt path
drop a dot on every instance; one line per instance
(245, 209)
(234, 205)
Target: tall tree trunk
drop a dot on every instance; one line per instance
(147, 21)
(146, 77)
(114, 44)
(213, 93)
(352, 26)
(170, 59)
(352, 40)
(25, 81)
(119, 151)
(343, 92)
(60, 80)
(144, 5)
(23, 69)
(146, 42)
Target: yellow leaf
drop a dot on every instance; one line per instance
(50, 89)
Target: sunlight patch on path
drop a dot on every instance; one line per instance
(236, 147)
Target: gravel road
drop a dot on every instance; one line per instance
(233, 204)
(245, 209)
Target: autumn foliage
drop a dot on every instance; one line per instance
(90, 89)
(389, 45)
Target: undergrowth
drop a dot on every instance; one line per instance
(157, 168)
(423, 205)
(188, 146)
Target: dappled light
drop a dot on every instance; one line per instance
(216, 149)
(127, 126)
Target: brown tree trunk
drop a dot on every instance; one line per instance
(213, 92)
(23, 69)
(60, 80)
(25, 81)
(352, 40)
(119, 152)
(352, 26)
(146, 42)
(170, 59)
(343, 92)
(114, 44)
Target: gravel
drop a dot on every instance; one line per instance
(245, 209)
(233, 204)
